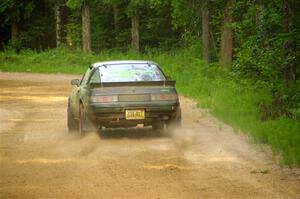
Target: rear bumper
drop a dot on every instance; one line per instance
(113, 115)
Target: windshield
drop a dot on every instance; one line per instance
(129, 73)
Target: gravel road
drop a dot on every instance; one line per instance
(205, 159)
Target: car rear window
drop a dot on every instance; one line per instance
(130, 73)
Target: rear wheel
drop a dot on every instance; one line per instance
(82, 123)
(85, 124)
(175, 123)
(158, 126)
(100, 131)
(71, 122)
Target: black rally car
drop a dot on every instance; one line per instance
(123, 94)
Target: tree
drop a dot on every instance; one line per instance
(13, 12)
(86, 35)
(135, 31)
(133, 13)
(116, 17)
(290, 43)
(205, 32)
(186, 17)
(226, 37)
(115, 8)
(57, 15)
(85, 14)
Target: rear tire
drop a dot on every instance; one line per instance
(82, 122)
(85, 124)
(100, 132)
(71, 122)
(158, 127)
(176, 122)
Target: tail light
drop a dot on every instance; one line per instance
(103, 98)
(163, 97)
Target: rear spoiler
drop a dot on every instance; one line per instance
(137, 83)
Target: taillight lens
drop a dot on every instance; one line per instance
(104, 98)
(162, 97)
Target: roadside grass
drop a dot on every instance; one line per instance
(232, 101)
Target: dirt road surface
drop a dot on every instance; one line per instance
(205, 159)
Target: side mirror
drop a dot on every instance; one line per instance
(75, 82)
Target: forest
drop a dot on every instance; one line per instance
(238, 58)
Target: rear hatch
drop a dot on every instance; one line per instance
(134, 92)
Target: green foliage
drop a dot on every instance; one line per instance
(73, 30)
(186, 15)
(39, 28)
(259, 53)
(262, 53)
(14, 11)
(74, 4)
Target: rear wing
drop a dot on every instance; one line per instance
(137, 83)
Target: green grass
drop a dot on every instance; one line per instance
(232, 101)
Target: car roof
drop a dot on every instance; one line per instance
(97, 64)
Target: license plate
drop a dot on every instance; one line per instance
(135, 114)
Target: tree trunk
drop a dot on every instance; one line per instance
(205, 32)
(86, 36)
(58, 24)
(14, 30)
(289, 45)
(135, 31)
(226, 38)
(14, 34)
(116, 19)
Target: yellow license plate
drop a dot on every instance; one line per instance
(135, 114)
